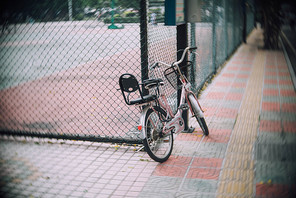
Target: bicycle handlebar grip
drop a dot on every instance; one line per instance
(192, 48)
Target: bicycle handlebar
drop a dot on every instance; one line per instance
(175, 63)
(183, 55)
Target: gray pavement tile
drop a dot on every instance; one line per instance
(271, 77)
(285, 152)
(231, 105)
(195, 195)
(276, 138)
(288, 99)
(273, 115)
(275, 171)
(208, 150)
(152, 194)
(221, 123)
(159, 183)
(289, 86)
(199, 185)
(241, 80)
(237, 90)
(278, 86)
(212, 150)
(187, 148)
(275, 158)
(266, 98)
(76, 194)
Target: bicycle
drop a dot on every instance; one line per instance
(158, 122)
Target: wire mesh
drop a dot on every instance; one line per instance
(250, 15)
(169, 91)
(60, 62)
(61, 77)
(162, 46)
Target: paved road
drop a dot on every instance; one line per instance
(40, 49)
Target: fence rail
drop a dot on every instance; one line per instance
(59, 78)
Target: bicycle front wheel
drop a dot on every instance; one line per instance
(158, 146)
(197, 114)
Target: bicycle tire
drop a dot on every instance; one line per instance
(158, 148)
(201, 120)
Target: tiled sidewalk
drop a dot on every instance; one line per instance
(251, 149)
(250, 108)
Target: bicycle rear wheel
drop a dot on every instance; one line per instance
(158, 146)
(197, 114)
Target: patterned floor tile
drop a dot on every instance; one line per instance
(270, 126)
(287, 92)
(203, 173)
(207, 162)
(270, 92)
(170, 171)
(270, 106)
(289, 127)
(199, 185)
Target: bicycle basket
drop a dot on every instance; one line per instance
(172, 75)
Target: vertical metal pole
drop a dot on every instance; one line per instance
(234, 16)
(214, 34)
(70, 10)
(144, 41)
(244, 21)
(193, 58)
(112, 12)
(182, 42)
(226, 10)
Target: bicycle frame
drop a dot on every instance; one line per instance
(173, 122)
(176, 123)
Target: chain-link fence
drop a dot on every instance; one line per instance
(60, 61)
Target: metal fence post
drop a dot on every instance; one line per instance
(182, 42)
(193, 57)
(226, 10)
(214, 35)
(144, 42)
(244, 30)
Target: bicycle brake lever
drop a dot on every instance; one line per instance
(154, 65)
(192, 48)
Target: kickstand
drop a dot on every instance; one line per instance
(189, 130)
(139, 149)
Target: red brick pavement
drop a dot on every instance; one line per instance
(270, 126)
(271, 106)
(270, 92)
(198, 168)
